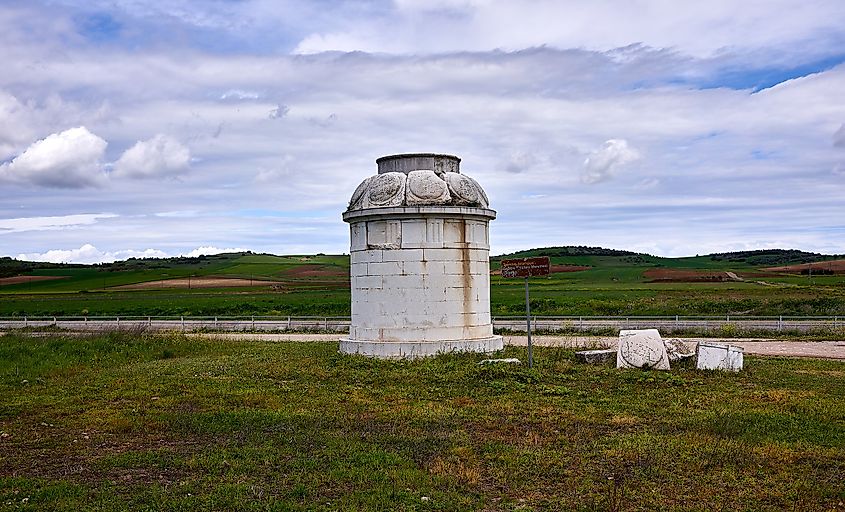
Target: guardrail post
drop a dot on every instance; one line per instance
(215, 322)
(149, 321)
(326, 323)
(25, 322)
(580, 323)
(288, 327)
(182, 322)
(780, 322)
(676, 321)
(118, 322)
(55, 323)
(253, 323)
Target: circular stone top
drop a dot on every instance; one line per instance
(418, 179)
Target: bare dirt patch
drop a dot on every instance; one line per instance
(316, 271)
(822, 267)
(196, 282)
(674, 275)
(27, 279)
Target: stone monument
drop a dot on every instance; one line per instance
(419, 260)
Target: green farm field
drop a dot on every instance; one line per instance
(144, 422)
(587, 281)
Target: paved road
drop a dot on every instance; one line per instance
(757, 347)
(760, 347)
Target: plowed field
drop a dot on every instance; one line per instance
(26, 279)
(671, 275)
(196, 282)
(835, 266)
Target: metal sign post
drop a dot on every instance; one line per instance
(527, 267)
(528, 326)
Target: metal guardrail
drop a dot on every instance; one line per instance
(341, 323)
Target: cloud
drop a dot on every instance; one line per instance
(602, 164)
(839, 137)
(69, 159)
(279, 111)
(210, 250)
(89, 254)
(701, 30)
(157, 157)
(19, 225)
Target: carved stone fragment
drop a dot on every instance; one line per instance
(426, 188)
(385, 190)
(463, 189)
(356, 202)
(641, 348)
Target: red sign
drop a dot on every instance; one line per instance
(526, 267)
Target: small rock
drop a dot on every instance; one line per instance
(24, 381)
(509, 360)
(425, 498)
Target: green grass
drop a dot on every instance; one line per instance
(173, 423)
(613, 285)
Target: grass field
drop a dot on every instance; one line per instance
(172, 423)
(614, 284)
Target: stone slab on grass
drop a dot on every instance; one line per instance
(718, 356)
(596, 356)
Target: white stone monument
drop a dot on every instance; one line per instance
(419, 260)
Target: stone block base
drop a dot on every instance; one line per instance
(417, 349)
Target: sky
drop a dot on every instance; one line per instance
(141, 128)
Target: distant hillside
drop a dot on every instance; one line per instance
(772, 257)
(580, 250)
(10, 267)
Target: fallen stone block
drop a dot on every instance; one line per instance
(641, 348)
(596, 356)
(718, 356)
(677, 350)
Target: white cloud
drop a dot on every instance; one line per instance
(839, 137)
(69, 159)
(701, 29)
(210, 250)
(157, 157)
(603, 163)
(89, 254)
(22, 224)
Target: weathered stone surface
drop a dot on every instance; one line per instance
(677, 350)
(426, 180)
(465, 190)
(717, 356)
(426, 188)
(641, 348)
(385, 190)
(406, 163)
(596, 356)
